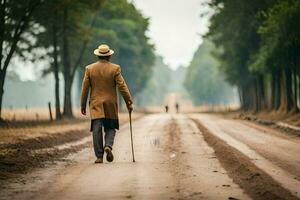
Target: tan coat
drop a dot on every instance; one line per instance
(102, 79)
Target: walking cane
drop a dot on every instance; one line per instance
(132, 150)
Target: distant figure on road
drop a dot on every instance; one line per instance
(177, 108)
(101, 79)
(167, 108)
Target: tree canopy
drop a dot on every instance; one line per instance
(68, 32)
(260, 42)
(123, 27)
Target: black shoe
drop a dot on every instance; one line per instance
(109, 154)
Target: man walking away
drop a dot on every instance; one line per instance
(101, 79)
(166, 108)
(177, 108)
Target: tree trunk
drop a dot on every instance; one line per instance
(70, 70)
(273, 90)
(296, 74)
(67, 68)
(2, 30)
(289, 90)
(244, 102)
(247, 97)
(250, 96)
(295, 106)
(286, 93)
(298, 90)
(260, 90)
(277, 93)
(240, 92)
(68, 98)
(282, 93)
(2, 79)
(56, 69)
(255, 96)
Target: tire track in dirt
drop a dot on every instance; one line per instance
(256, 183)
(172, 148)
(196, 172)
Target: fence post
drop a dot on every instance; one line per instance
(50, 112)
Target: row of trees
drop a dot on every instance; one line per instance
(65, 33)
(260, 43)
(204, 82)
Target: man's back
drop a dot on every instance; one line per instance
(102, 80)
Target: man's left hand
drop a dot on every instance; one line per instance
(83, 111)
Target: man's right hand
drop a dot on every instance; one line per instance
(130, 107)
(83, 111)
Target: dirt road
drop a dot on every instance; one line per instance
(274, 154)
(174, 161)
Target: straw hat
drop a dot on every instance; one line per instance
(103, 50)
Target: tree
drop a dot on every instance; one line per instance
(70, 28)
(234, 28)
(261, 55)
(122, 26)
(77, 23)
(203, 80)
(279, 52)
(53, 45)
(77, 19)
(15, 20)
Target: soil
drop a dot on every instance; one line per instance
(172, 162)
(254, 181)
(27, 145)
(176, 158)
(18, 157)
(6, 124)
(289, 123)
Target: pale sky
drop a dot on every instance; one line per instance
(175, 28)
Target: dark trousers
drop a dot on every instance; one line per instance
(98, 137)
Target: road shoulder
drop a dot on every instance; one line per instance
(255, 181)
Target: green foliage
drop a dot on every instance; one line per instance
(15, 20)
(203, 80)
(122, 26)
(115, 22)
(280, 33)
(68, 31)
(260, 39)
(234, 28)
(80, 16)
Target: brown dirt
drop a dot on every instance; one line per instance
(196, 171)
(174, 142)
(255, 182)
(172, 147)
(269, 119)
(18, 157)
(33, 123)
(172, 162)
(28, 145)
